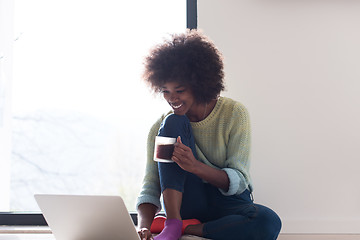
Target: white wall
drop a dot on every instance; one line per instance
(6, 42)
(296, 66)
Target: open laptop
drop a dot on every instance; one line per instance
(79, 217)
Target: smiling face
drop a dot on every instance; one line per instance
(179, 97)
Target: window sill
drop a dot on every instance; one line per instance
(24, 229)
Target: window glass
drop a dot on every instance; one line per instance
(80, 111)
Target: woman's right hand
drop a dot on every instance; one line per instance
(146, 214)
(145, 234)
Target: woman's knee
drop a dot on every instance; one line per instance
(176, 125)
(269, 223)
(174, 121)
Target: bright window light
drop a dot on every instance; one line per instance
(81, 113)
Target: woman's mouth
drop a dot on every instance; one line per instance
(176, 106)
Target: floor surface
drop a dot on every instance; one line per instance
(43, 233)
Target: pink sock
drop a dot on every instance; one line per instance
(171, 231)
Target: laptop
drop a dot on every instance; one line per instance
(80, 217)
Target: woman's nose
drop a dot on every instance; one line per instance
(173, 97)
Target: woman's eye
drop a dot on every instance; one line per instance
(180, 91)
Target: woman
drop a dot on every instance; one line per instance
(209, 179)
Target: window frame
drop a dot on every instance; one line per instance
(37, 219)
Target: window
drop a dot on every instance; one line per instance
(79, 110)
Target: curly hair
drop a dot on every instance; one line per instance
(189, 58)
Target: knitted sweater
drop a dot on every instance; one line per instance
(222, 141)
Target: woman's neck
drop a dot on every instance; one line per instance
(201, 111)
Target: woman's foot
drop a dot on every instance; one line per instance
(196, 230)
(171, 231)
(189, 223)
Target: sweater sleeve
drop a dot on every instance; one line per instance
(238, 149)
(150, 191)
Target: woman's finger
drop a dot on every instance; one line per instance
(175, 159)
(145, 234)
(182, 146)
(179, 150)
(180, 153)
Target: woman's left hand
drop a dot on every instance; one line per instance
(184, 157)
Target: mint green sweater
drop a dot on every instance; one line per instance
(222, 141)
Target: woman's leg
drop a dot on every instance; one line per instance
(171, 175)
(237, 217)
(179, 188)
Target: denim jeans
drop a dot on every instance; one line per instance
(225, 217)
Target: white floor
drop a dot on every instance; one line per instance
(318, 237)
(44, 233)
(281, 237)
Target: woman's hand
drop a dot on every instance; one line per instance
(184, 157)
(145, 234)
(146, 214)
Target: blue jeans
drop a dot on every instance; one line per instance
(225, 217)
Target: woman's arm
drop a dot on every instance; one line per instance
(146, 214)
(215, 177)
(233, 177)
(148, 203)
